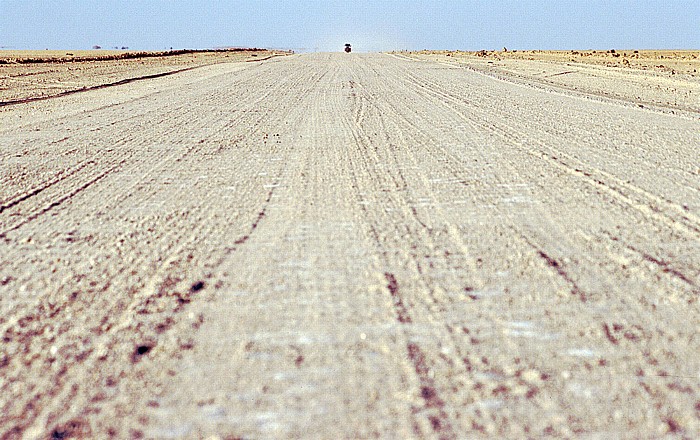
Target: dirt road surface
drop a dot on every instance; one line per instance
(348, 246)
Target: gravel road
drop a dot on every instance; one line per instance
(347, 246)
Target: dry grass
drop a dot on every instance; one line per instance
(52, 56)
(58, 54)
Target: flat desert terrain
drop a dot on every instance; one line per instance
(662, 79)
(40, 74)
(350, 246)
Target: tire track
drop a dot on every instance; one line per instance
(60, 177)
(343, 246)
(536, 83)
(619, 195)
(140, 322)
(687, 222)
(647, 206)
(439, 422)
(174, 114)
(433, 403)
(549, 261)
(58, 202)
(383, 152)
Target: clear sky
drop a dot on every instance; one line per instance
(370, 25)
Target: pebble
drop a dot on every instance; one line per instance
(519, 390)
(531, 376)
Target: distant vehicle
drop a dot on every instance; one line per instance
(348, 48)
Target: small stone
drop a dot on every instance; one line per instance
(519, 390)
(531, 376)
(101, 352)
(35, 432)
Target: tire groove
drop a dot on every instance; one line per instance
(161, 283)
(42, 187)
(691, 225)
(61, 200)
(433, 405)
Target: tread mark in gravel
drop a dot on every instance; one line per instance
(257, 221)
(556, 265)
(608, 334)
(664, 265)
(439, 419)
(62, 199)
(551, 262)
(42, 188)
(401, 312)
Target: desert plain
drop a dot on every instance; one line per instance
(257, 244)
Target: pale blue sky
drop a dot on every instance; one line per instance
(371, 25)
